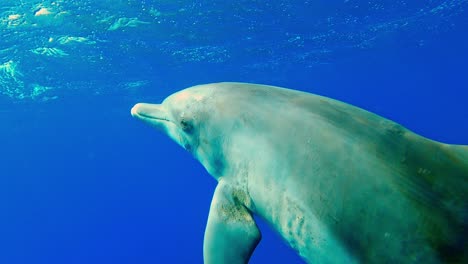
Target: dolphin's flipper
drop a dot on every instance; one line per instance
(231, 234)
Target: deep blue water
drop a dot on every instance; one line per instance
(83, 182)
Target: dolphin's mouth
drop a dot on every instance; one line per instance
(150, 112)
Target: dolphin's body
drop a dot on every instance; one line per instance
(338, 183)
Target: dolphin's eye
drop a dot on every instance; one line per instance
(186, 126)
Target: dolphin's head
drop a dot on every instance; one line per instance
(185, 117)
(218, 121)
(174, 116)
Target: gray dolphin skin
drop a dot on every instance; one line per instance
(339, 184)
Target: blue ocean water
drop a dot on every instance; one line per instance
(83, 182)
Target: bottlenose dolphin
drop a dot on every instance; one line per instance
(338, 183)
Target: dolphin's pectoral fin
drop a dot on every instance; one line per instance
(231, 234)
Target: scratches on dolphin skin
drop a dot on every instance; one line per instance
(423, 171)
(294, 225)
(438, 188)
(235, 209)
(305, 230)
(233, 213)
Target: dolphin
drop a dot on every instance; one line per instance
(338, 183)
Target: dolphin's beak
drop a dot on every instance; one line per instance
(150, 113)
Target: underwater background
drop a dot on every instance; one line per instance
(81, 181)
